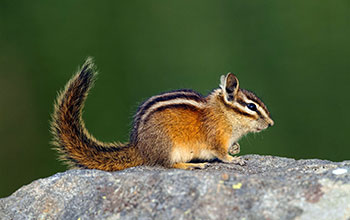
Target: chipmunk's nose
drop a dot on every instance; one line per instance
(271, 123)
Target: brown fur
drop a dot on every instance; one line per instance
(77, 147)
(169, 130)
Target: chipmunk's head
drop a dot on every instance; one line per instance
(243, 106)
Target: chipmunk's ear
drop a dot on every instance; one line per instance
(230, 86)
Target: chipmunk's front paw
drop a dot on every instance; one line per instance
(234, 149)
(234, 160)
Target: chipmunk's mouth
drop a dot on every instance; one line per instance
(258, 129)
(262, 127)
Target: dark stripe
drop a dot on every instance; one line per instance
(77, 164)
(241, 102)
(221, 98)
(253, 97)
(191, 95)
(194, 97)
(172, 106)
(259, 113)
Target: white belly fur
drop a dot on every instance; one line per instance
(185, 154)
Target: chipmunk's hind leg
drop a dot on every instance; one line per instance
(190, 166)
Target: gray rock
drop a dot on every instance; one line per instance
(265, 188)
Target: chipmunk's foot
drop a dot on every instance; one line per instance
(234, 160)
(190, 166)
(234, 149)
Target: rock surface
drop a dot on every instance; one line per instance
(265, 188)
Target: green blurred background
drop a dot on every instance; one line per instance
(293, 54)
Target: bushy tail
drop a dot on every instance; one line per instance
(76, 146)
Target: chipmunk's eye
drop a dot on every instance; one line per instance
(251, 106)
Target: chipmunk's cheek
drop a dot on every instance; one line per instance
(261, 125)
(257, 127)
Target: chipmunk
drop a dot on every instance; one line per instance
(170, 129)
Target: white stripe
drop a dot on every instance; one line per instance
(243, 108)
(260, 109)
(165, 95)
(263, 112)
(171, 102)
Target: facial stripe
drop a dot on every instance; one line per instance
(251, 96)
(235, 108)
(241, 102)
(262, 113)
(260, 109)
(244, 105)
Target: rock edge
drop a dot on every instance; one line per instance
(267, 187)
